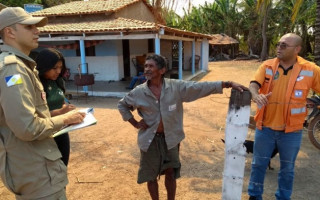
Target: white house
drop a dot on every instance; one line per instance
(109, 34)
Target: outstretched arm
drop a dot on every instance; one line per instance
(234, 85)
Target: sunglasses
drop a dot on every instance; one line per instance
(283, 46)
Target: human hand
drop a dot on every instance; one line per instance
(73, 118)
(67, 107)
(139, 125)
(261, 99)
(238, 86)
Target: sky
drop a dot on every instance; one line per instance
(195, 3)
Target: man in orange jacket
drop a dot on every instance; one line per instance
(280, 88)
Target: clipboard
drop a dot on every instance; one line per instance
(88, 120)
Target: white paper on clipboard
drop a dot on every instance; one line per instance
(88, 120)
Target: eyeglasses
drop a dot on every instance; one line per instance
(283, 45)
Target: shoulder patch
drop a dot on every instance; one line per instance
(10, 59)
(13, 80)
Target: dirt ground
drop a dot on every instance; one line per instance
(104, 158)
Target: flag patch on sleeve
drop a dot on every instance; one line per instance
(13, 80)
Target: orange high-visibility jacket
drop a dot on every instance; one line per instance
(301, 80)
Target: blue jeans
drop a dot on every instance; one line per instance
(134, 80)
(288, 145)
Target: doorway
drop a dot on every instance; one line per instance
(126, 58)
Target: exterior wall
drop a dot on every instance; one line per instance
(137, 48)
(205, 57)
(137, 11)
(187, 55)
(108, 62)
(106, 65)
(198, 49)
(97, 66)
(118, 67)
(68, 53)
(187, 45)
(166, 51)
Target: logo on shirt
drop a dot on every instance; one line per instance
(298, 93)
(13, 80)
(172, 107)
(299, 78)
(276, 76)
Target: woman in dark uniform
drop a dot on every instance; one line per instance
(51, 67)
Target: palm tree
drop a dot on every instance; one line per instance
(249, 28)
(263, 6)
(164, 9)
(303, 21)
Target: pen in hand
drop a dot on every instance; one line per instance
(66, 100)
(90, 110)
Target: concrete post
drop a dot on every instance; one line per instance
(236, 132)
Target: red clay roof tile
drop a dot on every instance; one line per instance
(85, 7)
(97, 26)
(222, 39)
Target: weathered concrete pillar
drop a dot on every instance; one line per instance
(235, 153)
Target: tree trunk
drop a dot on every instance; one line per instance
(317, 36)
(264, 53)
(305, 40)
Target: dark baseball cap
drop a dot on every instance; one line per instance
(16, 15)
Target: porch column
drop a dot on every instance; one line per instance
(201, 52)
(204, 54)
(180, 59)
(193, 57)
(157, 45)
(83, 61)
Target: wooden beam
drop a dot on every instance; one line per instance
(99, 37)
(171, 37)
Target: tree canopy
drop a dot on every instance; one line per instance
(257, 24)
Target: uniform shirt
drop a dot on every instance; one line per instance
(169, 108)
(273, 114)
(30, 164)
(54, 95)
